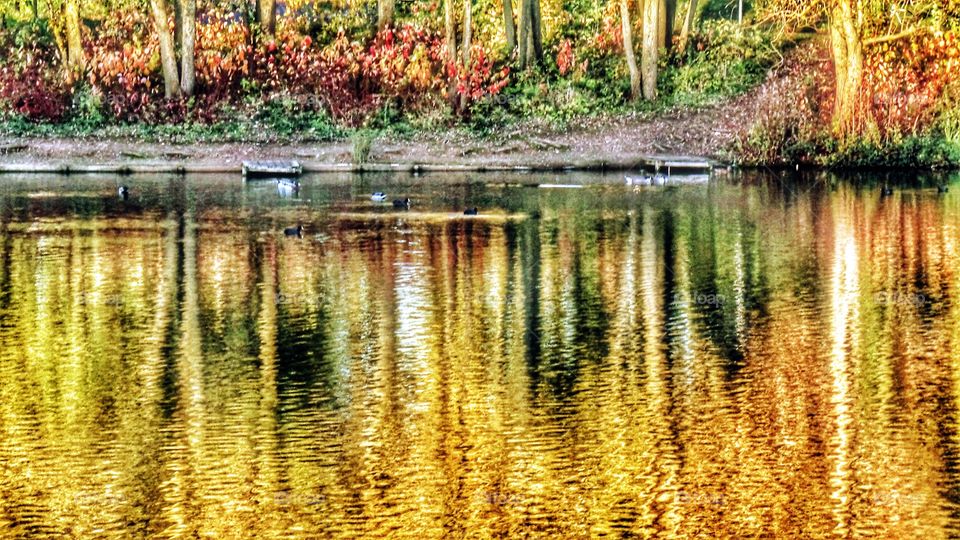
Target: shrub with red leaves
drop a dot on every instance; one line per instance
(33, 94)
(31, 84)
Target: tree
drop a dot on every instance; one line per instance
(689, 24)
(188, 33)
(267, 16)
(385, 9)
(76, 59)
(450, 38)
(854, 26)
(531, 40)
(467, 39)
(168, 56)
(508, 25)
(626, 25)
(670, 15)
(650, 56)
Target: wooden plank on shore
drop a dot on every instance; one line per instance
(271, 168)
(12, 148)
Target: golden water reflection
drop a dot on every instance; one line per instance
(722, 361)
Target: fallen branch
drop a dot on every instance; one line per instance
(889, 37)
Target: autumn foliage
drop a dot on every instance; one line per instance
(346, 78)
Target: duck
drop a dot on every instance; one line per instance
(642, 180)
(402, 203)
(123, 192)
(287, 188)
(379, 196)
(294, 231)
(886, 191)
(471, 211)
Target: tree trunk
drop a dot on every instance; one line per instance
(524, 45)
(467, 38)
(848, 58)
(839, 48)
(535, 31)
(651, 47)
(168, 59)
(627, 28)
(385, 9)
(689, 25)
(76, 59)
(450, 36)
(671, 17)
(178, 26)
(267, 16)
(508, 25)
(188, 74)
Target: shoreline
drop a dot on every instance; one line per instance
(688, 164)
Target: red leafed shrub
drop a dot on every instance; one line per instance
(32, 93)
(31, 84)
(565, 57)
(222, 55)
(481, 79)
(124, 67)
(907, 79)
(405, 63)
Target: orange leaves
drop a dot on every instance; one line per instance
(906, 78)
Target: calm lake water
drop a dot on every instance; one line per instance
(763, 356)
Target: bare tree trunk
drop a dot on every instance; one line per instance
(626, 26)
(177, 26)
(671, 17)
(508, 25)
(651, 48)
(267, 16)
(168, 59)
(524, 44)
(535, 30)
(188, 74)
(385, 9)
(76, 59)
(689, 24)
(849, 60)
(450, 35)
(467, 38)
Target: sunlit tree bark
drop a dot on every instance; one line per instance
(76, 59)
(531, 40)
(508, 25)
(385, 10)
(689, 24)
(626, 26)
(651, 47)
(168, 56)
(267, 16)
(450, 37)
(467, 39)
(847, 46)
(188, 33)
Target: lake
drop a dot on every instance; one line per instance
(765, 355)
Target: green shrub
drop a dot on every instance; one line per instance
(723, 59)
(362, 145)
